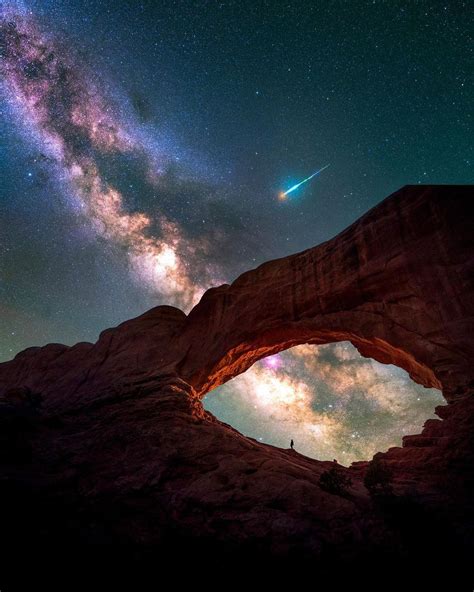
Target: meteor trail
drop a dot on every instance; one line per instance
(283, 194)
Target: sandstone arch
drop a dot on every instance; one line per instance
(394, 284)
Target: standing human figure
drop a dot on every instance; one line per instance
(292, 445)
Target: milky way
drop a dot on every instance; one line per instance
(76, 126)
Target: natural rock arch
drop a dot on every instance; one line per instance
(394, 284)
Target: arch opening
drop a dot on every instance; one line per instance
(332, 401)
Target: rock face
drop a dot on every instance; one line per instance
(109, 442)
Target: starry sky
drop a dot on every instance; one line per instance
(144, 145)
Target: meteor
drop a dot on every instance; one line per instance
(283, 194)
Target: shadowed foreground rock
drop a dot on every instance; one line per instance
(108, 457)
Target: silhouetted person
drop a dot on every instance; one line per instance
(292, 445)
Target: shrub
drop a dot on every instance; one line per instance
(378, 478)
(334, 481)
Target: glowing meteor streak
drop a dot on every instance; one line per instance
(283, 194)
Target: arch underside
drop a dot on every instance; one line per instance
(241, 358)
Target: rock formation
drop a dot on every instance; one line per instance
(109, 442)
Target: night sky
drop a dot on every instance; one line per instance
(144, 145)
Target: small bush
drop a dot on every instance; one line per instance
(334, 481)
(378, 478)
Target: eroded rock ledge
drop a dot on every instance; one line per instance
(109, 441)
